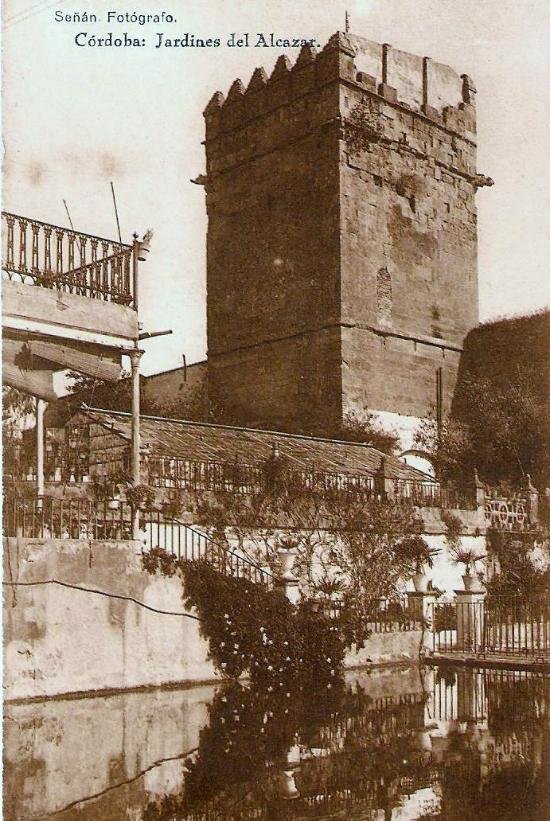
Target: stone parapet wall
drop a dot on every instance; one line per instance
(75, 622)
(406, 80)
(66, 639)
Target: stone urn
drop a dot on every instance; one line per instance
(287, 559)
(420, 582)
(423, 740)
(471, 583)
(288, 789)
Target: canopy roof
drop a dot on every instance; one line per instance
(204, 442)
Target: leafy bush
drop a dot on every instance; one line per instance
(252, 630)
(454, 528)
(518, 575)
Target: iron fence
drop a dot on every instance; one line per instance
(38, 253)
(433, 494)
(54, 518)
(190, 474)
(503, 626)
(65, 518)
(189, 544)
(380, 615)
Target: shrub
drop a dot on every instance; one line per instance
(252, 630)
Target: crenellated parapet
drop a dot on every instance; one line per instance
(416, 84)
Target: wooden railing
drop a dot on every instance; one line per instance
(38, 253)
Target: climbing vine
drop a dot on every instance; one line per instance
(255, 631)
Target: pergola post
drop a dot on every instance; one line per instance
(135, 356)
(40, 487)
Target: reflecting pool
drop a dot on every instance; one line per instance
(436, 744)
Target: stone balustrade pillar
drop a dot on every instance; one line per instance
(422, 607)
(470, 620)
(532, 502)
(480, 492)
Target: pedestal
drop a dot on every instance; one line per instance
(290, 586)
(422, 607)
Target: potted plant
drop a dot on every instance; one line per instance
(106, 489)
(332, 588)
(141, 497)
(418, 555)
(468, 558)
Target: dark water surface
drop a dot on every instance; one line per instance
(402, 744)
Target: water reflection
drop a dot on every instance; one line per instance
(400, 744)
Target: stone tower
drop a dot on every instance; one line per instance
(342, 240)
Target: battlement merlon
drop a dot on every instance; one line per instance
(416, 84)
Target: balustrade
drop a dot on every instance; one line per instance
(37, 253)
(507, 514)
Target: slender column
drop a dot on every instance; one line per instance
(135, 356)
(40, 408)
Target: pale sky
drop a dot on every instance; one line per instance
(77, 118)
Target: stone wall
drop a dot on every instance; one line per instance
(396, 374)
(82, 633)
(289, 384)
(386, 648)
(63, 639)
(179, 392)
(272, 253)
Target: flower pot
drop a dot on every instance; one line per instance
(422, 740)
(420, 581)
(470, 583)
(288, 785)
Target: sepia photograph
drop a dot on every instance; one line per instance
(276, 410)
